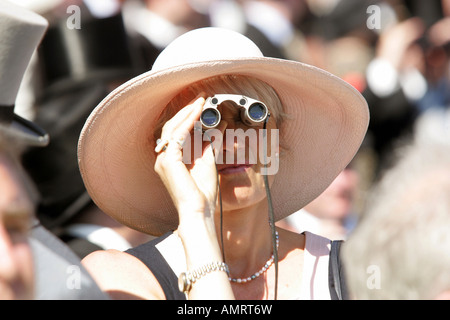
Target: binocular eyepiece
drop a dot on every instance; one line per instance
(253, 112)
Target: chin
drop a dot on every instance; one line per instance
(242, 190)
(242, 197)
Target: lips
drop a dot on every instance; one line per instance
(233, 168)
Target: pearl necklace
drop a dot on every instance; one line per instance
(261, 271)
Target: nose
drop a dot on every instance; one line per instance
(16, 208)
(8, 267)
(16, 267)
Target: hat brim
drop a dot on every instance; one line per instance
(26, 132)
(327, 121)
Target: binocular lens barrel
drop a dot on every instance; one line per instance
(210, 117)
(257, 112)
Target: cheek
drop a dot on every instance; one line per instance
(21, 282)
(27, 274)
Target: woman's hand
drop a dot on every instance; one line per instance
(192, 186)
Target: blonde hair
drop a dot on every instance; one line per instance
(230, 84)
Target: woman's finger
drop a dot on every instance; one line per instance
(184, 119)
(178, 127)
(204, 171)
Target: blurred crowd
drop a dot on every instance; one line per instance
(395, 52)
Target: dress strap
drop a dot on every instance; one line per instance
(151, 256)
(315, 268)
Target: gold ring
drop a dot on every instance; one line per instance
(179, 141)
(161, 145)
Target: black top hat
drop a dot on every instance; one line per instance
(98, 50)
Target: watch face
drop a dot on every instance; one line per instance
(181, 281)
(184, 284)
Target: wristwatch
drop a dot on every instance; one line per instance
(188, 278)
(184, 282)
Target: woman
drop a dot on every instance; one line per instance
(213, 212)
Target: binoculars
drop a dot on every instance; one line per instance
(253, 112)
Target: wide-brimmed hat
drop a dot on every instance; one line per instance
(21, 32)
(327, 122)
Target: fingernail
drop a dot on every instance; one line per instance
(197, 99)
(200, 97)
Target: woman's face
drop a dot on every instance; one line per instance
(241, 161)
(241, 157)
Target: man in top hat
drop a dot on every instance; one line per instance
(32, 264)
(72, 85)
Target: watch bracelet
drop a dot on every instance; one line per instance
(205, 269)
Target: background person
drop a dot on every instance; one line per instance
(331, 213)
(71, 86)
(400, 248)
(45, 275)
(16, 213)
(22, 31)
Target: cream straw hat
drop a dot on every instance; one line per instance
(21, 32)
(327, 122)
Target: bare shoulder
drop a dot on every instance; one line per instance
(291, 239)
(122, 275)
(291, 250)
